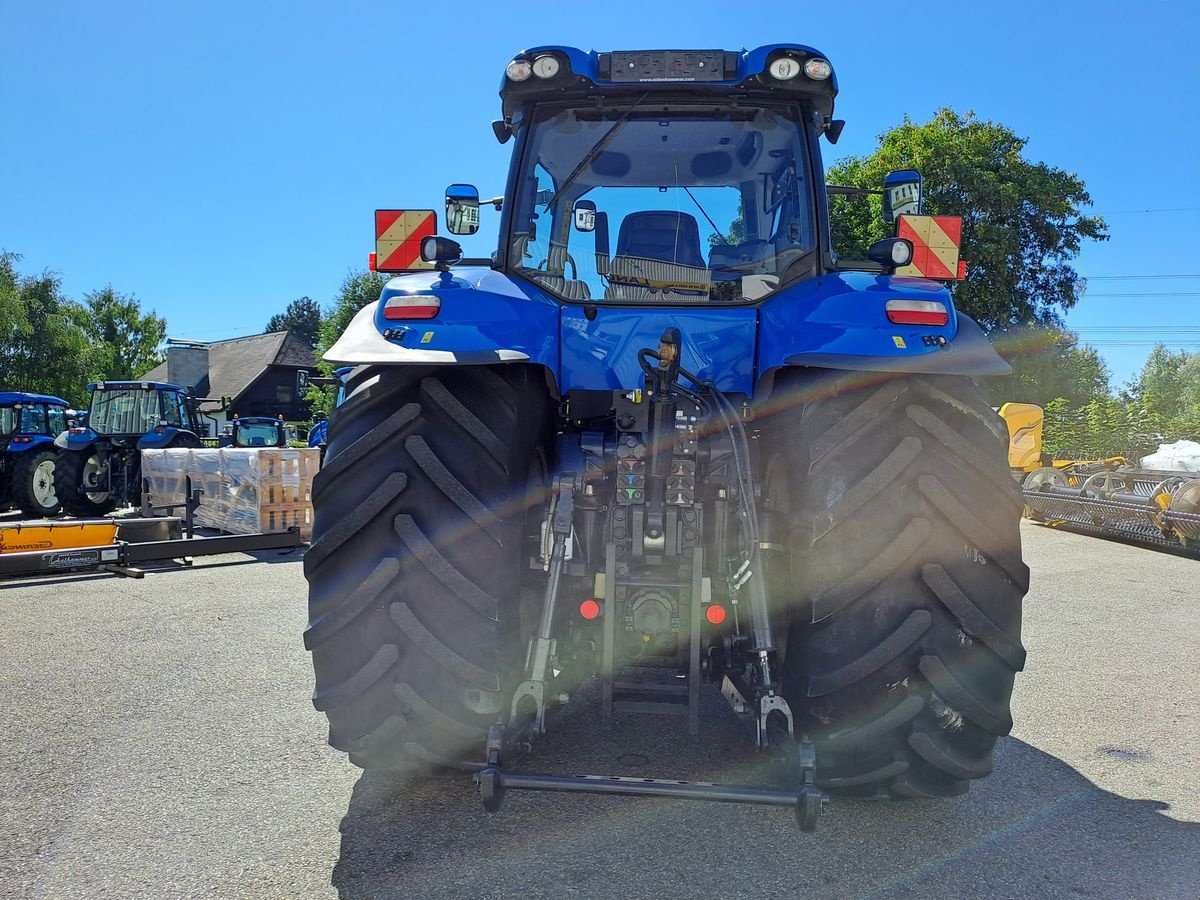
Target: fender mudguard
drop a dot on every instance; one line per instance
(485, 318)
(839, 321)
(158, 440)
(76, 439)
(32, 442)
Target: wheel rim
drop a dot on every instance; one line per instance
(91, 472)
(43, 484)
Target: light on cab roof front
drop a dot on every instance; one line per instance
(784, 69)
(817, 69)
(519, 70)
(545, 66)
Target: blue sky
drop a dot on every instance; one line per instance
(219, 159)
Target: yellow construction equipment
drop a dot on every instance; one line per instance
(1108, 497)
(21, 537)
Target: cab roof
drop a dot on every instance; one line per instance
(586, 73)
(9, 398)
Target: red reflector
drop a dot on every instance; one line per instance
(372, 262)
(917, 312)
(77, 430)
(416, 306)
(589, 609)
(715, 614)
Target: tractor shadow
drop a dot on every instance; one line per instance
(1036, 827)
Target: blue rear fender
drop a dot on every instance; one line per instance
(29, 442)
(76, 439)
(839, 321)
(159, 437)
(485, 317)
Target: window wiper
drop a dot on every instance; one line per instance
(724, 240)
(594, 152)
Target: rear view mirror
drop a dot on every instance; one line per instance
(901, 194)
(462, 208)
(585, 215)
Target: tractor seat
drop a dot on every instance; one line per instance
(658, 259)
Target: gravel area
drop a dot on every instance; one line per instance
(159, 742)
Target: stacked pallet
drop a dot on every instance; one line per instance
(243, 491)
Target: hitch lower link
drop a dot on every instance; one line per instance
(807, 801)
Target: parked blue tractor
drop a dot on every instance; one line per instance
(28, 425)
(257, 431)
(664, 437)
(99, 463)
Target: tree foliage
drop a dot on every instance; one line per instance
(1023, 221)
(358, 289)
(125, 341)
(54, 345)
(46, 347)
(1048, 363)
(302, 317)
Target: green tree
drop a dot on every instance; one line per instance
(13, 322)
(1048, 363)
(126, 341)
(358, 289)
(1023, 221)
(47, 348)
(1168, 390)
(302, 316)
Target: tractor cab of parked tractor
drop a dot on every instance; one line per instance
(256, 431)
(136, 409)
(28, 426)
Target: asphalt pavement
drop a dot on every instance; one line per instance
(158, 741)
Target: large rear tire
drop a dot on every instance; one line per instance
(415, 565)
(74, 472)
(903, 526)
(33, 490)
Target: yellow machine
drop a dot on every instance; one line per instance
(20, 537)
(1109, 497)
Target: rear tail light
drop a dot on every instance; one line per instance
(22, 440)
(715, 614)
(412, 306)
(589, 609)
(917, 312)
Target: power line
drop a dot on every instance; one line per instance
(1145, 294)
(1133, 277)
(1132, 212)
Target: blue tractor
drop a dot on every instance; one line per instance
(664, 437)
(99, 463)
(256, 431)
(28, 425)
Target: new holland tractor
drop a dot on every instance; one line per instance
(99, 463)
(664, 438)
(28, 425)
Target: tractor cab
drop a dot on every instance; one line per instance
(672, 177)
(28, 426)
(132, 410)
(256, 432)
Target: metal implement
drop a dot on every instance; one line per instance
(1156, 507)
(118, 557)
